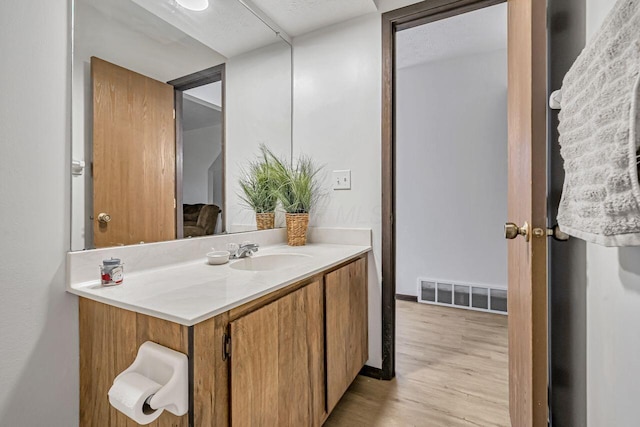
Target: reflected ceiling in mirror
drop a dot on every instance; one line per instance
(226, 26)
(162, 156)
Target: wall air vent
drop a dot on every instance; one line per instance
(463, 295)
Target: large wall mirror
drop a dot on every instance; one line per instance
(171, 99)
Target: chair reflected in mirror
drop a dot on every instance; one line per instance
(200, 219)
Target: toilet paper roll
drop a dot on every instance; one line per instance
(128, 394)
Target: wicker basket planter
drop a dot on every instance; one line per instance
(297, 225)
(265, 221)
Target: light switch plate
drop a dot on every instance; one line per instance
(342, 180)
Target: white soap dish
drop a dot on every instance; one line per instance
(218, 257)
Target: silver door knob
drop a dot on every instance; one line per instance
(511, 231)
(104, 218)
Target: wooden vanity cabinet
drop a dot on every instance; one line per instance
(346, 327)
(277, 362)
(210, 373)
(284, 359)
(109, 342)
(293, 359)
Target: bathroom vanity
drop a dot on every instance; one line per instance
(271, 341)
(269, 347)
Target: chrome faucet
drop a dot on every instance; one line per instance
(245, 250)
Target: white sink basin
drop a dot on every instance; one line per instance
(270, 262)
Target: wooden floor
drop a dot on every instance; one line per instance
(451, 370)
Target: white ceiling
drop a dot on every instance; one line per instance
(226, 26)
(387, 5)
(298, 17)
(483, 30)
(229, 28)
(121, 32)
(129, 15)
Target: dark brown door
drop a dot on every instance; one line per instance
(134, 149)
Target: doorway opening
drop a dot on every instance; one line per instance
(200, 153)
(416, 19)
(444, 192)
(451, 138)
(450, 208)
(527, 195)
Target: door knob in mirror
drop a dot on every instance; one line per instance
(104, 218)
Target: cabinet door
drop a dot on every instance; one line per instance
(210, 373)
(347, 328)
(277, 362)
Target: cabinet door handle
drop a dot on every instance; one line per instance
(226, 347)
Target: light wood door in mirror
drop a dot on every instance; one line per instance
(527, 299)
(134, 149)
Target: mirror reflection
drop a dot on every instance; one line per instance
(202, 160)
(169, 104)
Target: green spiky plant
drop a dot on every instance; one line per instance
(258, 184)
(298, 185)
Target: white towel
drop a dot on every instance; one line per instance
(599, 135)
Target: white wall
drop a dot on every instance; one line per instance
(258, 103)
(337, 97)
(451, 184)
(337, 110)
(613, 315)
(38, 319)
(200, 150)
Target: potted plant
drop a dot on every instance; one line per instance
(298, 190)
(259, 190)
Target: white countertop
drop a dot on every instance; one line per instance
(190, 292)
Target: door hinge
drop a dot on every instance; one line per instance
(226, 347)
(175, 204)
(174, 114)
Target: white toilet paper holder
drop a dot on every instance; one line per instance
(168, 368)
